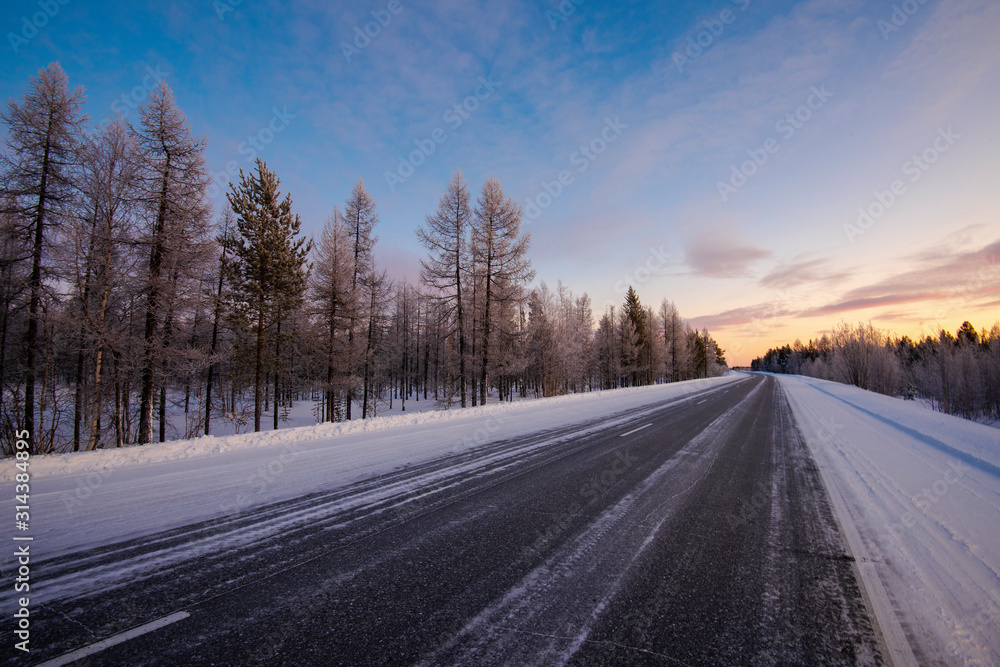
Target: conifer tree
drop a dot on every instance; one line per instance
(336, 303)
(635, 335)
(444, 270)
(39, 181)
(267, 270)
(228, 223)
(112, 200)
(501, 251)
(360, 217)
(175, 181)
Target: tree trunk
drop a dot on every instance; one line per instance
(35, 284)
(258, 369)
(486, 329)
(152, 299)
(461, 324)
(368, 352)
(277, 368)
(96, 410)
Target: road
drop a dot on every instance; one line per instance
(698, 533)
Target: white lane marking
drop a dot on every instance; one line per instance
(635, 430)
(67, 658)
(701, 401)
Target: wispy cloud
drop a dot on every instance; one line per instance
(719, 254)
(802, 272)
(740, 317)
(970, 276)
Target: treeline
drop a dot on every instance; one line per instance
(132, 313)
(957, 373)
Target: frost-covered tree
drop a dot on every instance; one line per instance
(40, 183)
(500, 250)
(105, 263)
(336, 303)
(445, 235)
(862, 357)
(174, 181)
(541, 343)
(360, 216)
(608, 351)
(376, 290)
(227, 224)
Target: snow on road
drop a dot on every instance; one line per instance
(95, 498)
(918, 494)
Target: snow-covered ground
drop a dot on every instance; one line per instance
(302, 413)
(918, 495)
(87, 499)
(917, 492)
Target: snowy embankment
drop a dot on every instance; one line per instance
(918, 495)
(92, 498)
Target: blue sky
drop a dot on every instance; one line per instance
(713, 153)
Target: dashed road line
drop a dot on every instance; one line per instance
(97, 647)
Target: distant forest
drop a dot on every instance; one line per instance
(133, 312)
(958, 374)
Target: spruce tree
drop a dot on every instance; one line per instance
(634, 315)
(267, 271)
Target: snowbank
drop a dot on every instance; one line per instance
(90, 498)
(918, 495)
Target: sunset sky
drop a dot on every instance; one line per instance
(771, 167)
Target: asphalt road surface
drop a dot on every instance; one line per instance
(698, 533)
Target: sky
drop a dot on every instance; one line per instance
(771, 167)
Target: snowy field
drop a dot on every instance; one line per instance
(302, 413)
(918, 495)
